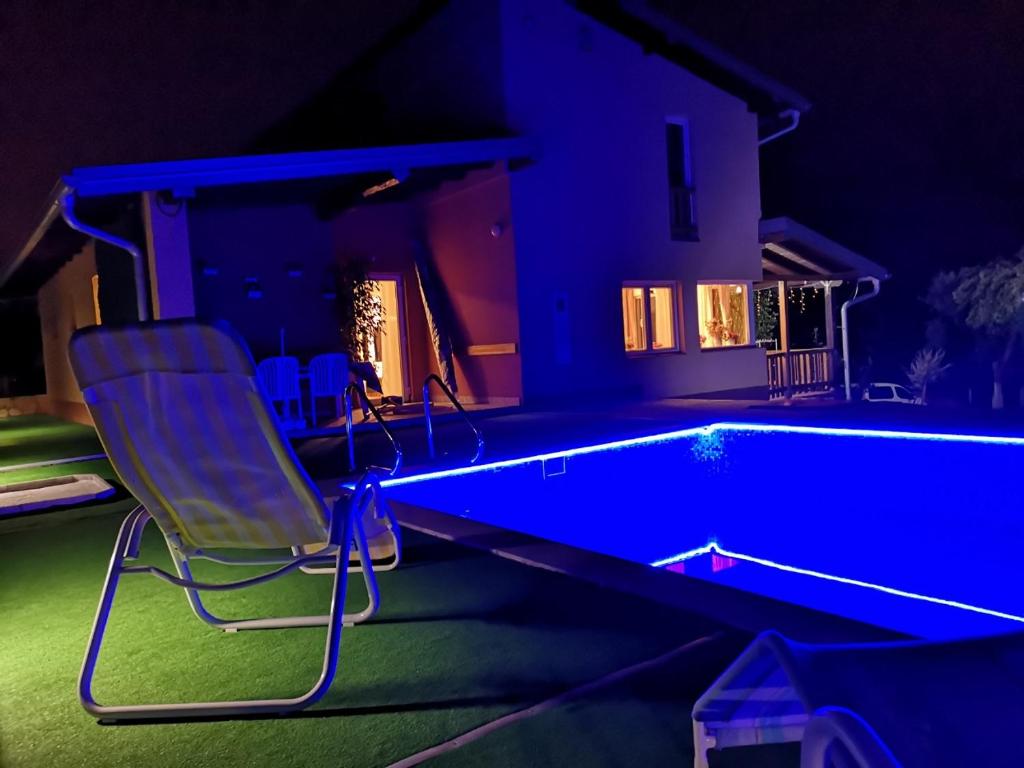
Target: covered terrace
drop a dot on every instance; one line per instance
(262, 241)
(794, 305)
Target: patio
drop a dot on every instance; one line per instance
(466, 634)
(464, 637)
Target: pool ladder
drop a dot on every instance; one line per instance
(427, 415)
(354, 388)
(428, 423)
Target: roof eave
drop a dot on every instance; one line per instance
(189, 175)
(783, 228)
(51, 212)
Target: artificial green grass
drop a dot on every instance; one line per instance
(28, 439)
(641, 720)
(462, 638)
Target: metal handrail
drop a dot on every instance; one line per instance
(380, 420)
(458, 407)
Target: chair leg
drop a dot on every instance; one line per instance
(216, 708)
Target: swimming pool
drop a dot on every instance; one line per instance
(918, 532)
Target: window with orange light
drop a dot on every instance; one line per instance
(649, 317)
(723, 311)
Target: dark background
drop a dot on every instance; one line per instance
(911, 154)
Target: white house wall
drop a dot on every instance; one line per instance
(592, 212)
(66, 305)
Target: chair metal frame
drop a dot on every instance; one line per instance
(381, 511)
(346, 530)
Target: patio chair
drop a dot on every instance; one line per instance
(328, 377)
(188, 431)
(279, 378)
(871, 705)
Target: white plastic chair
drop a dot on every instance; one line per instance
(328, 377)
(279, 380)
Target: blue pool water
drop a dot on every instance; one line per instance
(919, 532)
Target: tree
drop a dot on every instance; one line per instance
(928, 366)
(988, 300)
(360, 311)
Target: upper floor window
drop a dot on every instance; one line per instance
(649, 317)
(723, 310)
(682, 195)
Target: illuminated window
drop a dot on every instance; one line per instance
(682, 195)
(649, 317)
(96, 299)
(723, 310)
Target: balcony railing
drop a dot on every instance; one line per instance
(799, 371)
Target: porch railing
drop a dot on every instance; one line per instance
(800, 370)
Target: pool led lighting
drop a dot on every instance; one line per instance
(713, 548)
(706, 430)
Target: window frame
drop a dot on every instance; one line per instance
(691, 232)
(677, 313)
(751, 342)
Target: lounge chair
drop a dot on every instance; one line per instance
(872, 705)
(188, 431)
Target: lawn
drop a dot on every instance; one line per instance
(29, 439)
(462, 638)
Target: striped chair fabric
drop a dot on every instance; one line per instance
(179, 412)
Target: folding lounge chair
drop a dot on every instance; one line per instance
(872, 705)
(182, 419)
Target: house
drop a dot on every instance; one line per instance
(577, 181)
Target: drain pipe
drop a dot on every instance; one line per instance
(793, 115)
(857, 299)
(67, 206)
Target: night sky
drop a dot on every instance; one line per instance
(911, 154)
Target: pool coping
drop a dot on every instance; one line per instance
(739, 609)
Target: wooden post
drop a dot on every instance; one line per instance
(170, 263)
(783, 318)
(830, 332)
(786, 367)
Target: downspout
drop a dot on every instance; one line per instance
(67, 205)
(794, 120)
(857, 299)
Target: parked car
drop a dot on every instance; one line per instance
(885, 392)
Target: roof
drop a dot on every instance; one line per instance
(311, 123)
(661, 34)
(183, 177)
(792, 251)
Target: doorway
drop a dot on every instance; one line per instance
(387, 348)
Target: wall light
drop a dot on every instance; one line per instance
(392, 182)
